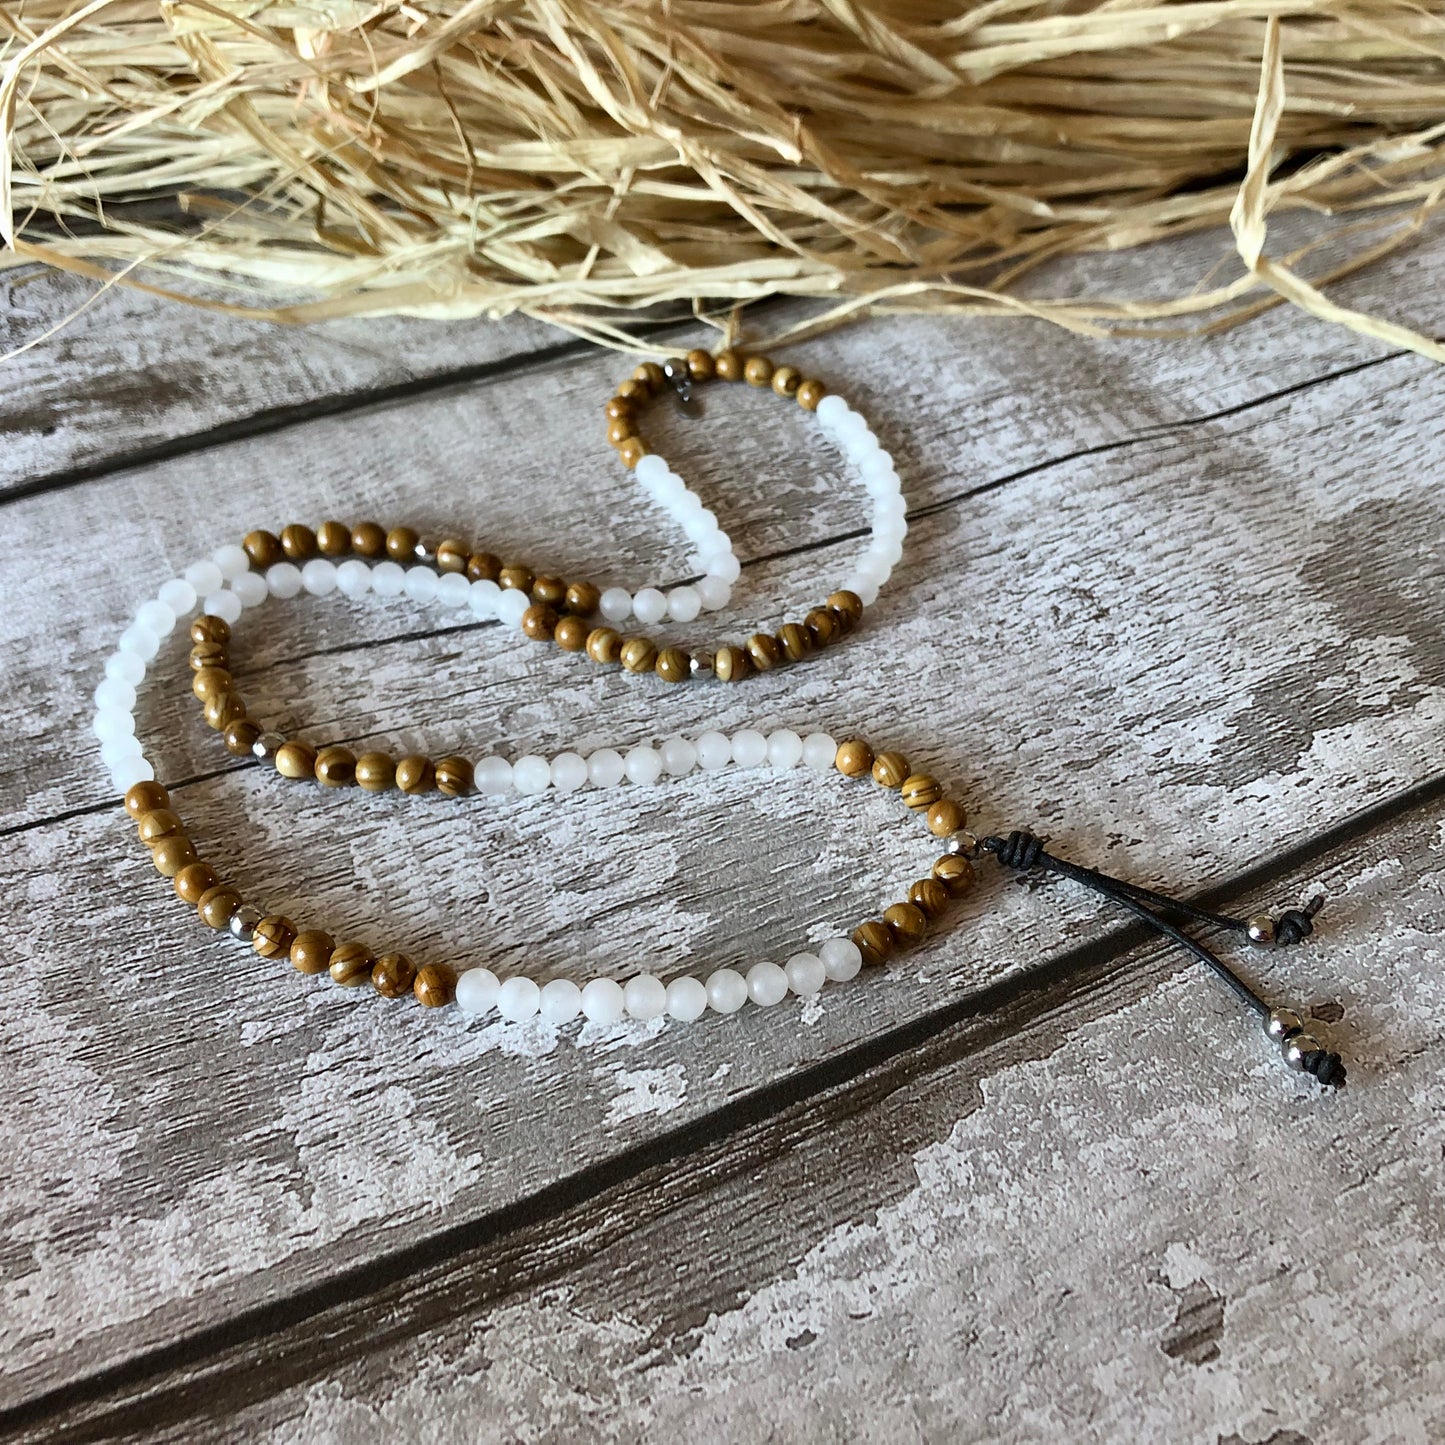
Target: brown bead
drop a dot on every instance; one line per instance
(581, 599)
(634, 391)
(336, 767)
(194, 881)
(375, 772)
(515, 579)
(920, 790)
(604, 644)
(787, 380)
(401, 544)
(874, 942)
(454, 776)
(142, 798)
(765, 650)
(700, 365)
(907, 922)
(311, 951)
(333, 539)
(350, 964)
(809, 394)
(216, 905)
(621, 430)
(820, 626)
(170, 855)
(731, 664)
(632, 451)
(620, 407)
(930, 895)
(223, 708)
(639, 654)
(757, 371)
(795, 641)
(955, 873)
(727, 365)
(452, 555)
(651, 375)
(296, 760)
(539, 622)
(673, 665)
(393, 974)
(211, 629)
(368, 539)
(849, 603)
(263, 548)
(416, 774)
(298, 542)
(842, 623)
(157, 824)
(945, 817)
(435, 985)
(890, 770)
(854, 758)
(551, 590)
(273, 936)
(483, 567)
(571, 633)
(210, 654)
(210, 682)
(240, 736)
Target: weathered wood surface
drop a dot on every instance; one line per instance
(1181, 613)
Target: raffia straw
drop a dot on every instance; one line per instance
(583, 162)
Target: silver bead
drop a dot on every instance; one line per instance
(700, 663)
(961, 844)
(675, 369)
(267, 746)
(1260, 928)
(1296, 1046)
(243, 922)
(1281, 1023)
(424, 552)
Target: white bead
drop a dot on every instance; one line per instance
(420, 584)
(318, 577)
(477, 991)
(232, 560)
(284, 580)
(518, 999)
(644, 997)
(615, 604)
(602, 1001)
(129, 773)
(482, 597)
(112, 722)
(388, 579)
(353, 578)
(139, 640)
(890, 553)
(561, 1001)
(650, 470)
(683, 604)
(679, 756)
(785, 748)
(531, 775)
(649, 606)
(156, 617)
(852, 430)
(114, 692)
(249, 589)
(605, 768)
(493, 777)
(116, 751)
(125, 667)
(453, 590)
(727, 991)
(686, 999)
(831, 410)
(511, 605)
(819, 751)
(726, 569)
(569, 772)
(767, 984)
(644, 765)
(225, 605)
(670, 491)
(179, 596)
(750, 748)
(205, 577)
(841, 959)
(867, 591)
(713, 592)
(806, 974)
(713, 751)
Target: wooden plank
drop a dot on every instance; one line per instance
(1107, 646)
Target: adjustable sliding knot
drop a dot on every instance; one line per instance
(1327, 1067)
(1295, 924)
(1019, 850)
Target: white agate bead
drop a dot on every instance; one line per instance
(388, 579)
(353, 578)
(605, 768)
(644, 997)
(125, 667)
(569, 772)
(679, 756)
(139, 640)
(713, 751)
(531, 775)
(518, 999)
(232, 560)
(727, 991)
(602, 1001)
(118, 751)
(225, 605)
(831, 410)
(561, 1001)
(129, 773)
(205, 577)
(750, 748)
(683, 604)
(644, 765)
(713, 592)
(785, 748)
(156, 617)
(615, 604)
(806, 974)
(453, 590)
(284, 580)
(179, 596)
(482, 597)
(113, 722)
(686, 999)
(318, 577)
(114, 692)
(841, 959)
(249, 589)
(511, 605)
(767, 984)
(477, 991)
(493, 777)
(650, 470)
(819, 752)
(649, 606)
(727, 569)
(420, 584)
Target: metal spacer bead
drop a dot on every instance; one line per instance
(243, 923)
(1282, 1023)
(962, 844)
(1295, 1049)
(267, 746)
(700, 663)
(425, 552)
(1260, 929)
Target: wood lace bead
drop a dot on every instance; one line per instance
(172, 854)
(298, 542)
(651, 375)
(820, 626)
(728, 366)
(273, 936)
(906, 922)
(700, 364)
(854, 758)
(157, 824)
(809, 394)
(850, 604)
(550, 590)
(632, 451)
(920, 790)
(311, 951)
(634, 391)
(192, 882)
(333, 539)
(639, 654)
(296, 760)
(393, 975)
(142, 798)
(571, 633)
(216, 905)
(435, 985)
(335, 767)
(604, 644)
(945, 817)
(539, 622)
(484, 567)
(618, 408)
(401, 544)
(787, 380)
(416, 774)
(621, 429)
(673, 665)
(930, 895)
(452, 555)
(955, 873)
(350, 964)
(263, 548)
(368, 539)
(581, 599)
(375, 772)
(454, 776)
(223, 708)
(210, 654)
(765, 650)
(794, 640)
(890, 770)
(240, 736)
(874, 942)
(731, 664)
(515, 579)
(208, 629)
(757, 371)
(210, 682)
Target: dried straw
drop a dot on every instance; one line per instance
(579, 160)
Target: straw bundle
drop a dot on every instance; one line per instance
(581, 160)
